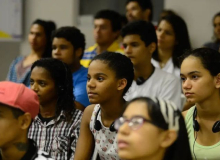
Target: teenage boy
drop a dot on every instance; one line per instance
(18, 107)
(107, 26)
(68, 45)
(139, 10)
(140, 42)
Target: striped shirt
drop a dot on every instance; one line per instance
(58, 138)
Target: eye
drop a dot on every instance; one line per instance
(100, 79)
(31, 82)
(88, 78)
(125, 45)
(183, 79)
(195, 77)
(42, 84)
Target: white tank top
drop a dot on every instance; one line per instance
(105, 140)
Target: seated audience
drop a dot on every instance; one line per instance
(215, 44)
(18, 107)
(140, 43)
(68, 45)
(40, 41)
(107, 26)
(200, 74)
(152, 129)
(56, 127)
(109, 77)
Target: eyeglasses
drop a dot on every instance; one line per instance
(134, 123)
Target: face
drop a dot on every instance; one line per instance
(9, 128)
(217, 27)
(136, 50)
(134, 12)
(102, 83)
(43, 84)
(63, 50)
(197, 83)
(103, 33)
(37, 37)
(142, 143)
(165, 36)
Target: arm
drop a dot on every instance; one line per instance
(85, 144)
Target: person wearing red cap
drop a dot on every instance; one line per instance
(18, 107)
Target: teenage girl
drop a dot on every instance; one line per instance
(152, 129)
(40, 41)
(56, 128)
(109, 77)
(200, 74)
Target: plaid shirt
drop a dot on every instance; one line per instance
(59, 140)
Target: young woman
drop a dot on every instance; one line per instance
(109, 77)
(200, 74)
(173, 40)
(40, 42)
(216, 37)
(152, 129)
(56, 128)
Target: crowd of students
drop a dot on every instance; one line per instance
(119, 99)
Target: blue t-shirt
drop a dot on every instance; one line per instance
(79, 86)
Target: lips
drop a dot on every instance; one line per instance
(188, 94)
(91, 94)
(122, 144)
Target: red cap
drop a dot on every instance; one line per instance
(18, 96)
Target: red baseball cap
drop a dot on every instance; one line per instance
(19, 96)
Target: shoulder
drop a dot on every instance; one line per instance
(164, 76)
(91, 48)
(188, 113)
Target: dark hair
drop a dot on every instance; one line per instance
(113, 16)
(73, 35)
(49, 27)
(120, 64)
(210, 59)
(62, 76)
(180, 149)
(144, 29)
(216, 15)
(165, 13)
(181, 37)
(144, 4)
(15, 111)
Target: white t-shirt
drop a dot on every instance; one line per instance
(160, 84)
(169, 67)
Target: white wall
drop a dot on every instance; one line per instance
(63, 12)
(198, 15)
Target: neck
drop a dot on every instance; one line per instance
(112, 109)
(144, 70)
(16, 151)
(37, 53)
(164, 56)
(155, 156)
(75, 66)
(48, 110)
(102, 47)
(209, 109)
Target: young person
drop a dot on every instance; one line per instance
(140, 42)
(215, 44)
(40, 42)
(56, 127)
(173, 41)
(200, 74)
(109, 77)
(18, 107)
(107, 26)
(68, 44)
(152, 129)
(139, 10)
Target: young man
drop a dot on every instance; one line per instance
(107, 26)
(139, 10)
(18, 107)
(140, 42)
(68, 45)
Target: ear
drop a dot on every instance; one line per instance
(168, 138)
(122, 83)
(217, 81)
(24, 121)
(78, 52)
(152, 47)
(146, 14)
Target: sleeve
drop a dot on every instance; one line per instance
(11, 72)
(171, 90)
(75, 133)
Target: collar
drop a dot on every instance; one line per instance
(112, 48)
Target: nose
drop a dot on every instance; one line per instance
(90, 84)
(34, 87)
(124, 128)
(186, 85)
(160, 34)
(56, 51)
(128, 50)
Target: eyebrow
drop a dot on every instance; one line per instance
(190, 73)
(99, 74)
